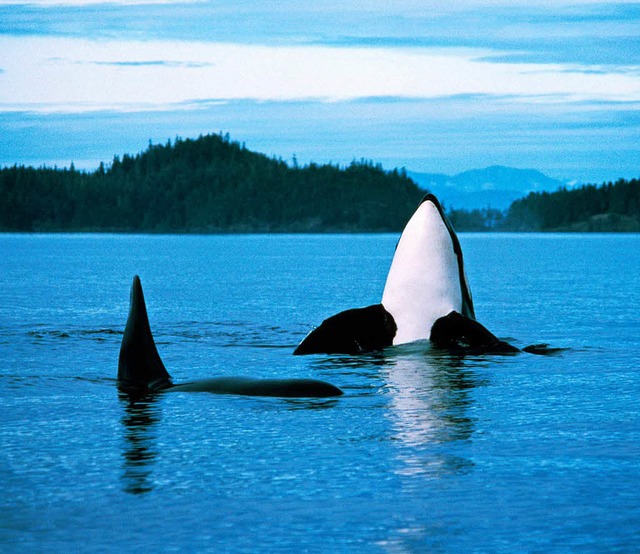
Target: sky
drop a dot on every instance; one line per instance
(434, 87)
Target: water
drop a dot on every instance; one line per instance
(424, 453)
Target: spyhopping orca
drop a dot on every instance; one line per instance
(140, 368)
(426, 296)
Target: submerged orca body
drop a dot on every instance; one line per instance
(426, 297)
(140, 367)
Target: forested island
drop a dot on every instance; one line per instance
(610, 207)
(214, 185)
(206, 185)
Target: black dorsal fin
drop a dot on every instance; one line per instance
(139, 364)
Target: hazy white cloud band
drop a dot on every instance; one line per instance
(63, 3)
(44, 74)
(417, 6)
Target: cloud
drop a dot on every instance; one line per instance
(589, 142)
(64, 3)
(553, 84)
(68, 74)
(542, 31)
(156, 63)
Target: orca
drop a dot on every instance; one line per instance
(141, 370)
(426, 297)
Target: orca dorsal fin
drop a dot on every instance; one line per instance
(139, 364)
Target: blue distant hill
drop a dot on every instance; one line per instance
(496, 186)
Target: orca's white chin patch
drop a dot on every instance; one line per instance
(424, 282)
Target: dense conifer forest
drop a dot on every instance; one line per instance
(211, 184)
(609, 207)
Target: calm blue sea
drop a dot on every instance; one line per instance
(424, 453)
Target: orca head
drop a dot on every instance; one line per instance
(426, 280)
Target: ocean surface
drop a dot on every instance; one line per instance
(425, 452)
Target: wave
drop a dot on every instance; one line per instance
(224, 334)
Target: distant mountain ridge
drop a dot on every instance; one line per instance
(496, 186)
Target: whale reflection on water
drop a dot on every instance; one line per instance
(427, 397)
(430, 399)
(141, 415)
(141, 419)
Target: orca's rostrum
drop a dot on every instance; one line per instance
(426, 297)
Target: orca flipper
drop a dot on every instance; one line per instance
(351, 332)
(456, 332)
(139, 364)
